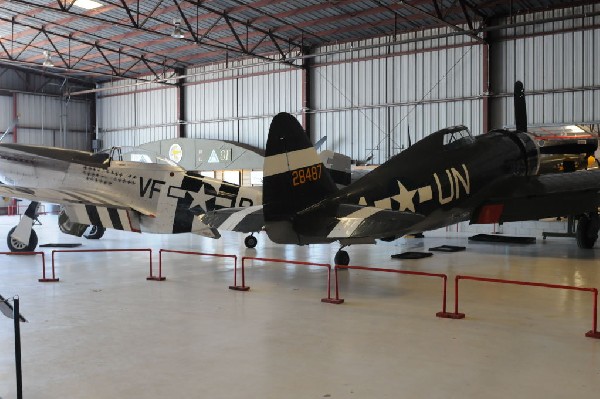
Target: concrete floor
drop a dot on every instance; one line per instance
(103, 331)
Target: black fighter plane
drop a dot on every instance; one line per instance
(448, 177)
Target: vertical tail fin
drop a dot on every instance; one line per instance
(294, 177)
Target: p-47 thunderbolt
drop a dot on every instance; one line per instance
(104, 191)
(447, 177)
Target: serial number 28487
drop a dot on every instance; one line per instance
(303, 175)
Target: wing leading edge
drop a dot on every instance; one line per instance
(537, 197)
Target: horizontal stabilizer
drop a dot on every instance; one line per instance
(243, 220)
(356, 221)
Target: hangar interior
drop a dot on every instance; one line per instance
(370, 78)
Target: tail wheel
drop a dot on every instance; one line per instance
(342, 258)
(587, 230)
(18, 246)
(96, 232)
(250, 241)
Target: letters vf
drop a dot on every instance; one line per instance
(150, 187)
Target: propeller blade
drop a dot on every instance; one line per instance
(520, 107)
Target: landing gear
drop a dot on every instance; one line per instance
(342, 258)
(22, 238)
(96, 232)
(17, 246)
(587, 230)
(250, 241)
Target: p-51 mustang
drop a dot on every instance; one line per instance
(103, 191)
(445, 178)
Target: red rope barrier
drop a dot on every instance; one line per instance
(43, 279)
(160, 276)
(244, 287)
(594, 333)
(444, 278)
(102, 250)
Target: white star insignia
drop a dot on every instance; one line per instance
(200, 197)
(405, 198)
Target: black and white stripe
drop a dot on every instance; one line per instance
(243, 220)
(111, 218)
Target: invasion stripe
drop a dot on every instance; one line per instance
(232, 221)
(92, 212)
(281, 163)
(115, 219)
(104, 216)
(348, 224)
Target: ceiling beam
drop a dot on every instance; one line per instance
(440, 20)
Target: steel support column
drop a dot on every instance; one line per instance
(307, 92)
(485, 68)
(181, 103)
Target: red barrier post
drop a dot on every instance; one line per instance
(102, 250)
(444, 278)
(160, 277)
(43, 279)
(594, 333)
(244, 287)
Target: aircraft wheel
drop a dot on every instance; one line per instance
(95, 233)
(250, 241)
(17, 246)
(587, 230)
(342, 258)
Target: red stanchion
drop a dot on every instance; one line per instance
(244, 287)
(103, 250)
(594, 333)
(444, 278)
(43, 279)
(160, 276)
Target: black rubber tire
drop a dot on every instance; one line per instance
(250, 241)
(587, 230)
(95, 233)
(342, 258)
(16, 246)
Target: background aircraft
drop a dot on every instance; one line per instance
(445, 178)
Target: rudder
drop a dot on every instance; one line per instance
(294, 177)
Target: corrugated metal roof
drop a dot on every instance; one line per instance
(133, 38)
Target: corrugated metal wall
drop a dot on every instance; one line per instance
(556, 62)
(6, 114)
(239, 103)
(53, 121)
(367, 101)
(130, 116)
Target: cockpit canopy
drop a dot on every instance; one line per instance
(131, 154)
(449, 137)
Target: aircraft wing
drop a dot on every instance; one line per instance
(355, 221)
(243, 220)
(64, 197)
(537, 197)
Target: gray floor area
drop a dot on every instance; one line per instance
(104, 331)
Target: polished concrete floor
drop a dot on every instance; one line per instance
(104, 331)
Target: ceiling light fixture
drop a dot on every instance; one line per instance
(87, 4)
(47, 59)
(177, 32)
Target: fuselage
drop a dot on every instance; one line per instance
(166, 197)
(445, 175)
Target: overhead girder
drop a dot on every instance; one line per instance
(205, 41)
(82, 45)
(442, 20)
